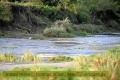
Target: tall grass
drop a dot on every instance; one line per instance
(27, 57)
(7, 57)
(109, 61)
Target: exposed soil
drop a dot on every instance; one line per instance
(8, 66)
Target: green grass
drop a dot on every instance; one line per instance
(60, 58)
(39, 68)
(107, 61)
(7, 57)
(27, 57)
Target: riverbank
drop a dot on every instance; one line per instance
(24, 19)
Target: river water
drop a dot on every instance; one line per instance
(68, 46)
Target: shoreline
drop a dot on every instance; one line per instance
(5, 66)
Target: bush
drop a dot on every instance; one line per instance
(53, 32)
(59, 29)
(98, 22)
(81, 33)
(83, 17)
(1, 34)
(5, 13)
(112, 23)
(49, 10)
(62, 23)
(91, 28)
(63, 35)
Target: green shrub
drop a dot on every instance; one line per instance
(112, 23)
(81, 33)
(49, 10)
(5, 13)
(70, 29)
(1, 33)
(62, 23)
(83, 16)
(59, 29)
(60, 58)
(91, 28)
(54, 32)
(98, 22)
(63, 35)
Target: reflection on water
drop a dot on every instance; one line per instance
(78, 45)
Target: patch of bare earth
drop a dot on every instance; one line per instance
(8, 66)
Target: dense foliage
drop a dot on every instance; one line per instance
(5, 13)
(37, 12)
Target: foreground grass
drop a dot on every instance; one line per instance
(108, 61)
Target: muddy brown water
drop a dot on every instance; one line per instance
(65, 46)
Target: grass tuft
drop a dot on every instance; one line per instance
(7, 57)
(60, 58)
(29, 56)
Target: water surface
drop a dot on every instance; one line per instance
(77, 45)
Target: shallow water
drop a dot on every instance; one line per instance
(70, 46)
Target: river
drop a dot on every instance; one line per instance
(68, 46)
